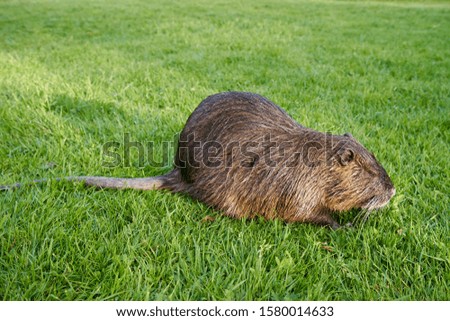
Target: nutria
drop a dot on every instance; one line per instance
(243, 155)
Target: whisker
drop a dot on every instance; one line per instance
(366, 215)
(361, 218)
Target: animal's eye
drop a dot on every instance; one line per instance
(369, 169)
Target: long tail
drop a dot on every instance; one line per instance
(146, 183)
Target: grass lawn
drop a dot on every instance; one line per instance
(75, 75)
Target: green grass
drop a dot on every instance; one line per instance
(78, 74)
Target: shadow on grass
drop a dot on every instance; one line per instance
(85, 110)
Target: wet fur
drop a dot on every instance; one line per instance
(300, 185)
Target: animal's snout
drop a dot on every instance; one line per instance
(392, 191)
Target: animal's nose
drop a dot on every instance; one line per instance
(392, 191)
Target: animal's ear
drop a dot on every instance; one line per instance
(345, 156)
(348, 135)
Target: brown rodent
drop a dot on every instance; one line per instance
(243, 155)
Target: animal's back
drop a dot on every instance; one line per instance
(224, 158)
(232, 117)
(231, 114)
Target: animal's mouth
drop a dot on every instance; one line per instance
(378, 201)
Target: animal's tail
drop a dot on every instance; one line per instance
(146, 183)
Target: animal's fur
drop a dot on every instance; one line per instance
(243, 155)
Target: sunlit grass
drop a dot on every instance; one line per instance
(78, 74)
